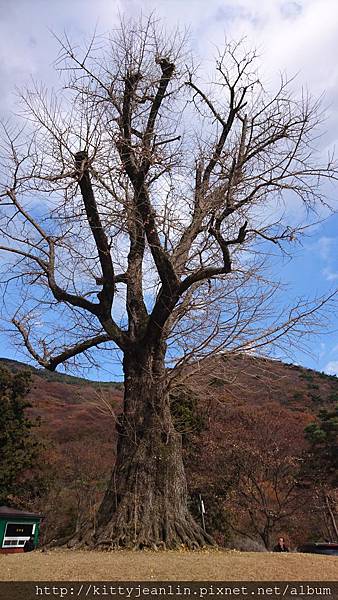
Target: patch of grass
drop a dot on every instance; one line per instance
(306, 376)
(323, 375)
(207, 565)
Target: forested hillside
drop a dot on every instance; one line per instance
(246, 454)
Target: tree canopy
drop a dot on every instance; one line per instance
(323, 437)
(19, 447)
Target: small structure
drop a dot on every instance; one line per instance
(16, 527)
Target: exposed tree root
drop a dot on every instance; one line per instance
(181, 532)
(157, 534)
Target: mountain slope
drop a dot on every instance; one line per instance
(238, 400)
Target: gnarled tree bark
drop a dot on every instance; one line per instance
(146, 502)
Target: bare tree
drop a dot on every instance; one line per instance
(268, 491)
(136, 207)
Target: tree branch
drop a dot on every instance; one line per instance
(106, 296)
(52, 362)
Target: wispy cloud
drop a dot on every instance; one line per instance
(329, 274)
(332, 367)
(327, 248)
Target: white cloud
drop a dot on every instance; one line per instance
(329, 274)
(327, 249)
(332, 367)
(291, 35)
(27, 45)
(325, 246)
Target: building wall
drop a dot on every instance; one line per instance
(5, 521)
(2, 530)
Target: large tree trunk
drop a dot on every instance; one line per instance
(146, 501)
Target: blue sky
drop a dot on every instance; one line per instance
(312, 270)
(294, 37)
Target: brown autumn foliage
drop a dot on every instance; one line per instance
(245, 462)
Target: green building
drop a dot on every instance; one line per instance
(16, 527)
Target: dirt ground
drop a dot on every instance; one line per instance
(231, 565)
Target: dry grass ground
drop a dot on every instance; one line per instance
(66, 565)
